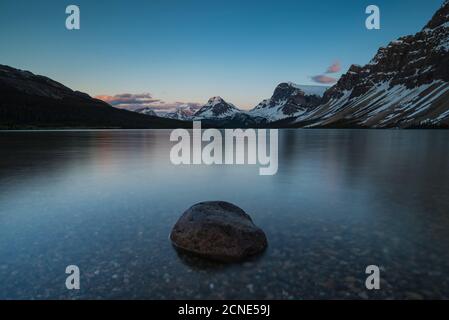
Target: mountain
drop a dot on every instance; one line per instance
(147, 111)
(405, 85)
(289, 100)
(216, 108)
(182, 112)
(218, 113)
(33, 101)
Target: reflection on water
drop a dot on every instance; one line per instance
(341, 200)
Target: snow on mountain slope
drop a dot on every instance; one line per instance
(385, 106)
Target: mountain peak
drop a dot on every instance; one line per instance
(217, 107)
(215, 100)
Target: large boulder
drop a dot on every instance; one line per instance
(218, 230)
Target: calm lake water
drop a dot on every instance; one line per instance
(341, 200)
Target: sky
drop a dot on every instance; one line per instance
(171, 51)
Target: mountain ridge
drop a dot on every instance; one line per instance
(34, 101)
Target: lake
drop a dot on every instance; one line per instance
(106, 200)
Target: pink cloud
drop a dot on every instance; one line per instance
(323, 79)
(334, 68)
(128, 100)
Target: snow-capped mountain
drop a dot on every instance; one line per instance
(217, 108)
(182, 112)
(406, 84)
(147, 111)
(289, 100)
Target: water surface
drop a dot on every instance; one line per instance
(341, 200)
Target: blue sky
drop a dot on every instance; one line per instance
(190, 50)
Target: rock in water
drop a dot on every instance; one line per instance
(218, 230)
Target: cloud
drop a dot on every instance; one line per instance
(131, 101)
(334, 68)
(323, 79)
